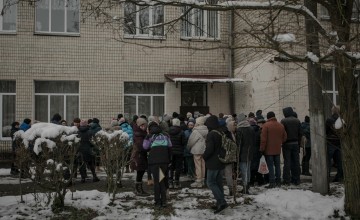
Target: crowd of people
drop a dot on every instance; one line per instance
(170, 146)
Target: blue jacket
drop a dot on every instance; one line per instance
(126, 127)
(24, 127)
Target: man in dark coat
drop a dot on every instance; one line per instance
(86, 157)
(333, 144)
(14, 128)
(291, 148)
(305, 163)
(215, 168)
(178, 141)
(245, 139)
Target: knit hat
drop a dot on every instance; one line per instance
(200, 120)
(83, 123)
(141, 121)
(96, 120)
(114, 123)
(189, 115)
(176, 122)
(241, 117)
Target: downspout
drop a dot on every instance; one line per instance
(231, 62)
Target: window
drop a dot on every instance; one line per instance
(8, 20)
(329, 79)
(355, 12)
(193, 94)
(56, 97)
(200, 24)
(57, 16)
(143, 99)
(7, 107)
(139, 20)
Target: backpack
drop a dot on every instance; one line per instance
(229, 149)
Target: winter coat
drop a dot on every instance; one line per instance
(292, 126)
(85, 147)
(139, 154)
(24, 127)
(178, 140)
(213, 145)
(94, 128)
(257, 153)
(186, 149)
(126, 127)
(273, 135)
(159, 146)
(196, 143)
(305, 126)
(245, 139)
(332, 137)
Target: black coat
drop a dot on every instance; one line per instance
(245, 138)
(292, 126)
(213, 145)
(178, 140)
(85, 148)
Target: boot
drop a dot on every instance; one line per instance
(177, 184)
(139, 190)
(96, 179)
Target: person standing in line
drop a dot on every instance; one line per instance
(25, 125)
(215, 168)
(255, 176)
(230, 132)
(291, 148)
(86, 158)
(159, 147)
(334, 144)
(14, 128)
(178, 141)
(273, 135)
(189, 158)
(245, 139)
(196, 145)
(139, 160)
(305, 126)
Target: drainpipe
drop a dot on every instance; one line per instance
(231, 63)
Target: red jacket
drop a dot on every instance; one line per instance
(273, 135)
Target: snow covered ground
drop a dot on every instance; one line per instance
(293, 202)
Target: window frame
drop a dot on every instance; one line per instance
(333, 92)
(49, 32)
(192, 15)
(2, 31)
(137, 24)
(137, 95)
(2, 94)
(324, 14)
(49, 95)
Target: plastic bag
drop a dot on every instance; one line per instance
(263, 168)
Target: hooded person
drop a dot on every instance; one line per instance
(56, 119)
(85, 151)
(214, 166)
(158, 145)
(25, 125)
(245, 139)
(291, 147)
(178, 140)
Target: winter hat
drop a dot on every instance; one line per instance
(141, 121)
(191, 120)
(27, 120)
(200, 120)
(270, 115)
(96, 120)
(76, 120)
(176, 122)
(241, 117)
(122, 120)
(229, 119)
(175, 114)
(166, 117)
(252, 121)
(189, 115)
(83, 123)
(251, 115)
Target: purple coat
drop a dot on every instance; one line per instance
(139, 154)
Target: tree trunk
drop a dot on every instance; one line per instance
(317, 126)
(350, 135)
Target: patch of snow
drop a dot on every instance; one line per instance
(285, 38)
(312, 57)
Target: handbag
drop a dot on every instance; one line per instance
(263, 168)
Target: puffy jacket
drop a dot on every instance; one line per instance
(213, 145)
(139, 154)
(85, 147)
(196, 143)
(178, 140)
(159, 146)
(126, 127)
(292, 126)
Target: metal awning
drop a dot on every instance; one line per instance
(202, 78)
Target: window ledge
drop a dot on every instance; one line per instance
(57, 34)
(198, 39)
(144, 37)
(7, 32)
(5, 138)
